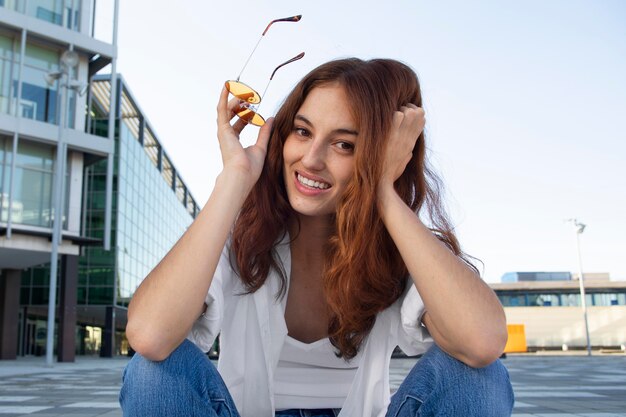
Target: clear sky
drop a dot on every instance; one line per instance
(525, 104)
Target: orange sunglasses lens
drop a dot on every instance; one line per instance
(251, 117)
(243, 92)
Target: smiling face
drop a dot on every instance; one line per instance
(318, 154)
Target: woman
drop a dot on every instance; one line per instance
(311, 260)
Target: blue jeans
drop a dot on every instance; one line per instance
(188, 384)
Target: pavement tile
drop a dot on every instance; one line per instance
(549, 386)
(20, 409)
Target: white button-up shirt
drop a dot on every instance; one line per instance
(252, 332)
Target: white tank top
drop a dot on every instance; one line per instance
(310, 375)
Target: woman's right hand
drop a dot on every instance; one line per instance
(235, 158)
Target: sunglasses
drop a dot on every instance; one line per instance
(248, 95)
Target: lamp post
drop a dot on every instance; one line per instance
(580, 228)
(69, 61)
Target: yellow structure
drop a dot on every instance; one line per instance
(517, 338)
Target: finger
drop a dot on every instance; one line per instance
(411, 108)
(264, 134)
(398, 116)
(239, 125)
(405, 111)
(222, 110)
(414, 116)
(235, 105)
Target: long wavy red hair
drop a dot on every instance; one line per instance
(364, 272)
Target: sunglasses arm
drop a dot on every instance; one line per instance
(295, 58)
(284, 19)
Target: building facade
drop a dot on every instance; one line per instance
(552, 314)
(536, 276)
(42, 106)
(122, 175)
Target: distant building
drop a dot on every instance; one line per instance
(552, 315)
(552, 276)
(593, 276)
(536, 276)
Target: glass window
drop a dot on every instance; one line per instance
(32, 155)
(39, 100)
(72, 16)
(25, 296)
(42, 58)
(513, 300)
(101, 276)
(6, 47)
(571, 300)
(47, 10)
(544, 300)
(100, 295)
(82, 276)
(41, 276)
(40, 295)
(32, 198)
(81, 295)
(608, 299)
(6, 71)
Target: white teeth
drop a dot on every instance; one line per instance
(311, 183)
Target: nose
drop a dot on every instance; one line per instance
(314, 157)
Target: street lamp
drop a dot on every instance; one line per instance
(69, 61)
(579, 228)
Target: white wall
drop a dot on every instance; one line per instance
(555, 326)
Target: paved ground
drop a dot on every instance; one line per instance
(550, 386)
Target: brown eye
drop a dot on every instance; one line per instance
(301, 132)
(345, 146)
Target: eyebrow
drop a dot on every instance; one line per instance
(340, 130)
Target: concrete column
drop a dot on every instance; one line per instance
(9, 312)
(66, 348)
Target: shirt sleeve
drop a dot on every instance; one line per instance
(413, 337)
(205, 329)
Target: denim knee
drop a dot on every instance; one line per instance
(440, 385)
(185, 383)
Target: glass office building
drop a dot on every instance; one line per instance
(43, 114)
(121, 190)
(152, 207)
(152, 204)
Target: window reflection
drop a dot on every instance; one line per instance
(39, 100)
(6, 69)
(57, 12)
(32, 183)
(563, 300)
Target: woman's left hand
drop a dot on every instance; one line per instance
(407, 125)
